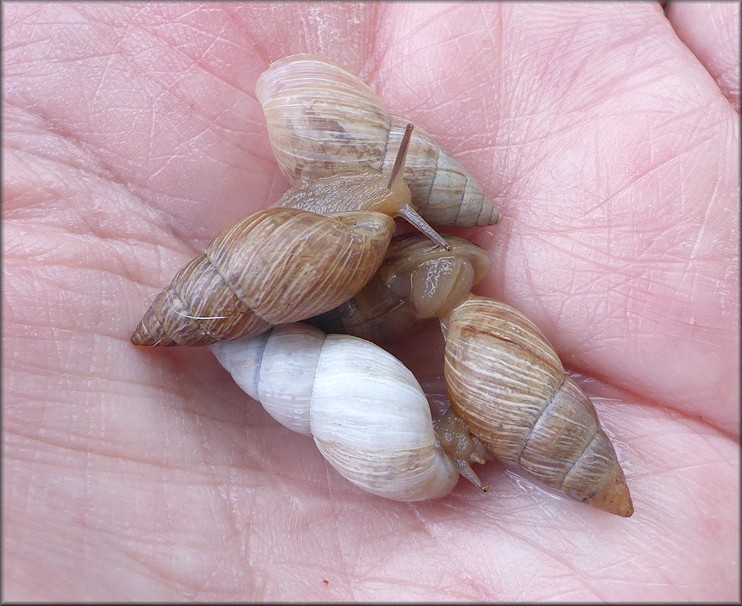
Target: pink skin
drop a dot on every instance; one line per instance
(132, 136)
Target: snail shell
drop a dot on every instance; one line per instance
(323, 121)
(364, 409)
(508, 385)
(417, 280)
(276, 266)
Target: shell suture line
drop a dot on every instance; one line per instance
(587, 445)
(537, 423)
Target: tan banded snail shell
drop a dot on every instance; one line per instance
(508, 385)
(323, 121)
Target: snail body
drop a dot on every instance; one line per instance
(365, 411)
(508, 385)
(416, 281)
(362, 190)
(276, 266)
(323, 121)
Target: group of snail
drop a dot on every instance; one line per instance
(323, 259)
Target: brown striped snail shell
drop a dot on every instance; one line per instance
(417, 281)
(276, 266)
(323, 121)
(508, 385)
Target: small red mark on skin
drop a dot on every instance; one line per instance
(326, 582)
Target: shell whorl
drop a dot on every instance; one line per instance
(365, 410)
(273, 267)
(323, 120)
(417, 281)
(509, 386)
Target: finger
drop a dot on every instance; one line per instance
(711, 31)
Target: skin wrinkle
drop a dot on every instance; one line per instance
(611, 267)
(43, 371)
(74, 289)
(254, 41)
(384, 54)
(196, 61)
(113, 457)
(570, 567)
(458, 561)
(649, 172)
(637, 394)
(377, 41)
(225, 505)
(121, 270)
(86, 159)
(347, 562)
(173, 91)
(113, 242)
(108, 174)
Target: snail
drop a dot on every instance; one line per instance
(508, 385)
(417, 280)
(276, 266)
(365, 411)
(323, 121)
(362, 191)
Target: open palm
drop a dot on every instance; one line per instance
(132, 137)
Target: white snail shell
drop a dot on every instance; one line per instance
(323, 121)
(365, 410)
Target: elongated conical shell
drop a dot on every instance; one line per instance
(276, 266)
(417, 280)
(508, 385)
(366, 412)
(323, 120)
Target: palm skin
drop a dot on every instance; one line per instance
(132, 137)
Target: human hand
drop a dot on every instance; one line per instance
(132, 137)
